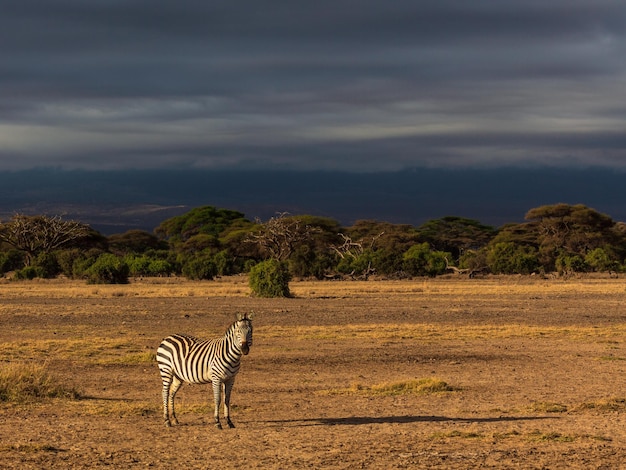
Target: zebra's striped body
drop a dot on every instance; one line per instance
(183, 358)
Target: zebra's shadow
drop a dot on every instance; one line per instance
(404, 419)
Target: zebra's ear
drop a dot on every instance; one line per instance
(243, 316)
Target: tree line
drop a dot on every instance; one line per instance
(207, 242)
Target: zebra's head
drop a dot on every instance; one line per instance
(243, 331)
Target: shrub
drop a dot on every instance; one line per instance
(108, 269)
(510, 258)
(47, 265)
(29, 273)
(270, 279)
(67, 259)
(415, 259)
(420, 260)
(160, 267)
(600, 260)
(138, 265)
(569, 263)
(200, 268)
(11, 260)
(224, 263)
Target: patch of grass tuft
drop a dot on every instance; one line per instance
(548, 407)
(415, 386)
(612, 404)
(23, 382)
(456, 434)
(550, 436)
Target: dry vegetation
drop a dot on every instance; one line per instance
(437, 373)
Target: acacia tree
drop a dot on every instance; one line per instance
(456, 234)
(37, 234)
(563, 229)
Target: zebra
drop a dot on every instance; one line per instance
(183, 358)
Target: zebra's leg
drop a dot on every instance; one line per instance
(176, 384)
(217, 397)
(166, 394)
(228, 387)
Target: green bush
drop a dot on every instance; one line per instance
(436, 263)
(108, 269)
(224, 263)
(11, 260)
(600, 260)
(29, 273)
(511, 258)
(47, 265)
(570, 263)
(138, 265)
(415, 259)
(160, 267)
(270, 279)
(66, 260)
(200, 268)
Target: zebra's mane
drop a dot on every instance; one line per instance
(229, 329)
(191, 337)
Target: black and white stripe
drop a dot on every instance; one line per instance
(183, 358)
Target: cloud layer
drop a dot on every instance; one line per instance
(348, 85)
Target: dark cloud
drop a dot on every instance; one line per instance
(355, 85)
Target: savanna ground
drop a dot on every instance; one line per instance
(528, 373)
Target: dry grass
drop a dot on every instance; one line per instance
(456, 434)
(425, 332)
(118, 408)
(548, 407)
(537, 363)
(611, 404)
(414, 386)
(94, 350)
(494, 287)
(22, 382)
(147, 287)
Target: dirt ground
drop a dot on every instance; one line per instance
(536, 369)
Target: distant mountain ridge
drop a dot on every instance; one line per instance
(116, 201)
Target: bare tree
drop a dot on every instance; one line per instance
(280, 236)
(353, 250)
(35, 234)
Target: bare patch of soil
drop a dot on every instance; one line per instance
(536, 369)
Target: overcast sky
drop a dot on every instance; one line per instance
(360, 85)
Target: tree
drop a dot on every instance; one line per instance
(209, 231)
(135, 241)
(206, 220)
(39, 234)
(575, 229)
(456, 234)
(372, 246)
(281, 236)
